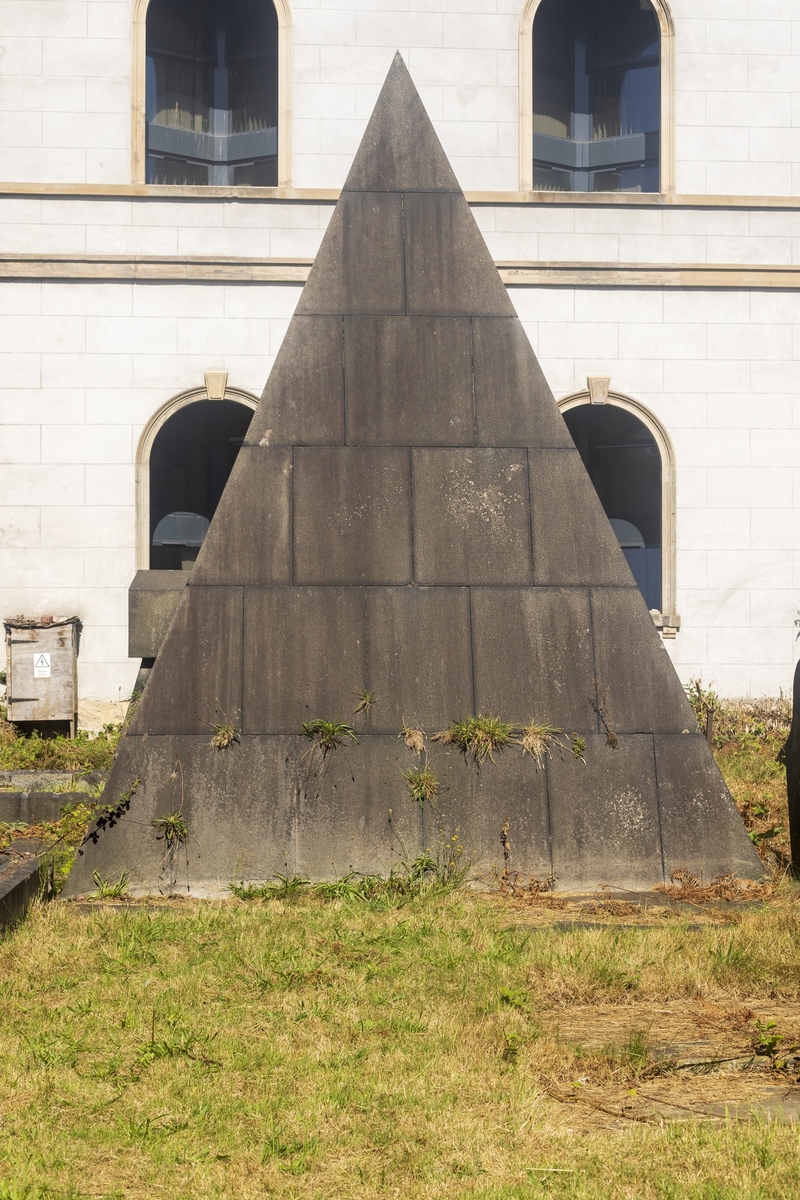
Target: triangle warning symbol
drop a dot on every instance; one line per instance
(408, 538)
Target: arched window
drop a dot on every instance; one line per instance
(631, 463)
(192, 456)
(596, 96)
(185, 455)
(212, 92)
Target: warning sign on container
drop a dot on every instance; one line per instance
(41, 666)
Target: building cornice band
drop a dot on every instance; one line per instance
(295, 270)
(331, 195)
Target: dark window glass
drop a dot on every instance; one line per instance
(624, 464)
(596, 96)
(212, 92)
(192, 457)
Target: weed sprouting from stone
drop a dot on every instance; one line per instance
(106, 889)
(366, 701)
(223, 735)
(479, 737)
(329, 735)
(171, 829)
(536, 740)
(422, 784)
(577, 745)
(414, 739)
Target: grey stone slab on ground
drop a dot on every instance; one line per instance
(29, 808)
(19, 887)
(409, 519)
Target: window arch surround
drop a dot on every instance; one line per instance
(667, 452)
(139, 87)
(144, 450)
(667, 131)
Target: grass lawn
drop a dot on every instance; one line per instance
(444, 1046)
(437, 1044)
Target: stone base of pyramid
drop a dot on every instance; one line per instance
(270, 806)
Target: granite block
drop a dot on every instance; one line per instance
(471, 517)
(605, 816)
(196, 681)
(352, 515)
(449, 270)
(534, 655)
(513, 402)
(303, 401)
(408, 381)
(250, 539)
(573, 542)
(359, 266)
(304, 656)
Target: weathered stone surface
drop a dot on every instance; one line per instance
(449, 270)
(352, 515)
(303, 656)
(573, 542)
(474, 804)
(236, 831)
(409, 381)
(471, 517)
(418, 657)
(513, 402)
(197, 678)
(250, 542)
(19, 886)
(359, 266)
(400, 151)
(604, 815)
(354, 812)
(701, 826)
(644, 695)
(533, 655)
(303, 401)
(152, 599)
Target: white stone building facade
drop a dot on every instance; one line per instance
(118, 295)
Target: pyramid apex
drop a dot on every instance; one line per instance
(400, 151)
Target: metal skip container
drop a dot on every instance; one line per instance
(42, 669)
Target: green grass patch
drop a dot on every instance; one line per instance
(311, 1046)
(37, 752)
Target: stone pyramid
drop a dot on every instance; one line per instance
(409, 516)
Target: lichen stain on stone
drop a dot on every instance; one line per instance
(491, 503)
(629, 813)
